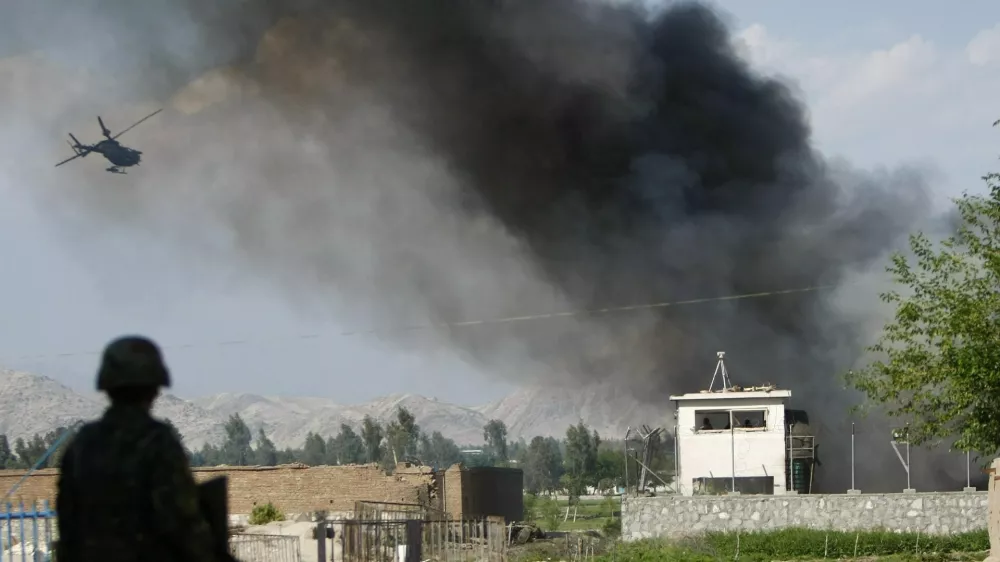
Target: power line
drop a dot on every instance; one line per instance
(459, 324)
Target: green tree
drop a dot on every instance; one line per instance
(289, 456)
(580, 460)
(542, 465)
(236, 449)
(610, 469)
(314, 450)
(495, 435)
(50, 439)
(937, 367)
(347, 447)
(402, 436)
(7, 458)
(439, 451)
(265, 453)
(29, 451)
(515, 449)
(208, 455)
(371, 434)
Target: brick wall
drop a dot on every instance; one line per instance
(302, 489)
(41, 485)
(292, 488)
(454, 498)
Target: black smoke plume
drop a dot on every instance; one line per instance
(625, 157)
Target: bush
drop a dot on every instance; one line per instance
(530, 504)
(791, 544)
(612, 527)
(816, 543)
(656, 551)
(551, 514)
(264, 514)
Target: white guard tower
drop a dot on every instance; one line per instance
(731, 439)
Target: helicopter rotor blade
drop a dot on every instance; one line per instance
(104, 130)
(136, 123)
(74, 157)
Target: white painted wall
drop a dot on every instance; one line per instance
(758, 451)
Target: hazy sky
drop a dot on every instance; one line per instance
(887, 83)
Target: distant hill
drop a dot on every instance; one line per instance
(32, 404)
(549, 411)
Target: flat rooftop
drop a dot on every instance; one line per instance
(732, 394)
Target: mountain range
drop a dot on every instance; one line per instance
(31, 404)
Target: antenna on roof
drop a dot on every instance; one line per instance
(720, 369)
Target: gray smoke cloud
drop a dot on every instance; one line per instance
(399, 163)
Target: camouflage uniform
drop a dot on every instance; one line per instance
(125, 491)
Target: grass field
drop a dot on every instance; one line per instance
(776, 546)
(588, 514)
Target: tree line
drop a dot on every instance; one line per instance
(576, 464)
(580, 462)
(25, 453)
(399, 440)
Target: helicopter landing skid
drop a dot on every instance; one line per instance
(115, 170)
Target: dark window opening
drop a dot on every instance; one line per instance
(745, 485)
(719, 420)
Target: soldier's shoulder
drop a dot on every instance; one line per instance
(162, 437)
(86, 431)
(162, 431)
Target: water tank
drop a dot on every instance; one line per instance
(801, 469)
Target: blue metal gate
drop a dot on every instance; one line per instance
(27, 534)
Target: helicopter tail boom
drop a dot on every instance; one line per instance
(77, 147)
(80, 150)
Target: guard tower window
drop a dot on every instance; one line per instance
(719, 420)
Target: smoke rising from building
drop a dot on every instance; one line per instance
(452, 160)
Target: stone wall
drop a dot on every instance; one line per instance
(929, 513)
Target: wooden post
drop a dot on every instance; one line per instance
(414, 540)
(321, 540)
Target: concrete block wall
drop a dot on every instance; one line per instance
(674, 516)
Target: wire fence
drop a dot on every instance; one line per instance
(387, 540)
(265, 548)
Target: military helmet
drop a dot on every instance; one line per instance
(132, 361)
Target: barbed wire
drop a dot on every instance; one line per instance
(445, 325)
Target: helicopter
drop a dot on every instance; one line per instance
(119, 156)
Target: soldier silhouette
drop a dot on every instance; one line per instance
(126, 491)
